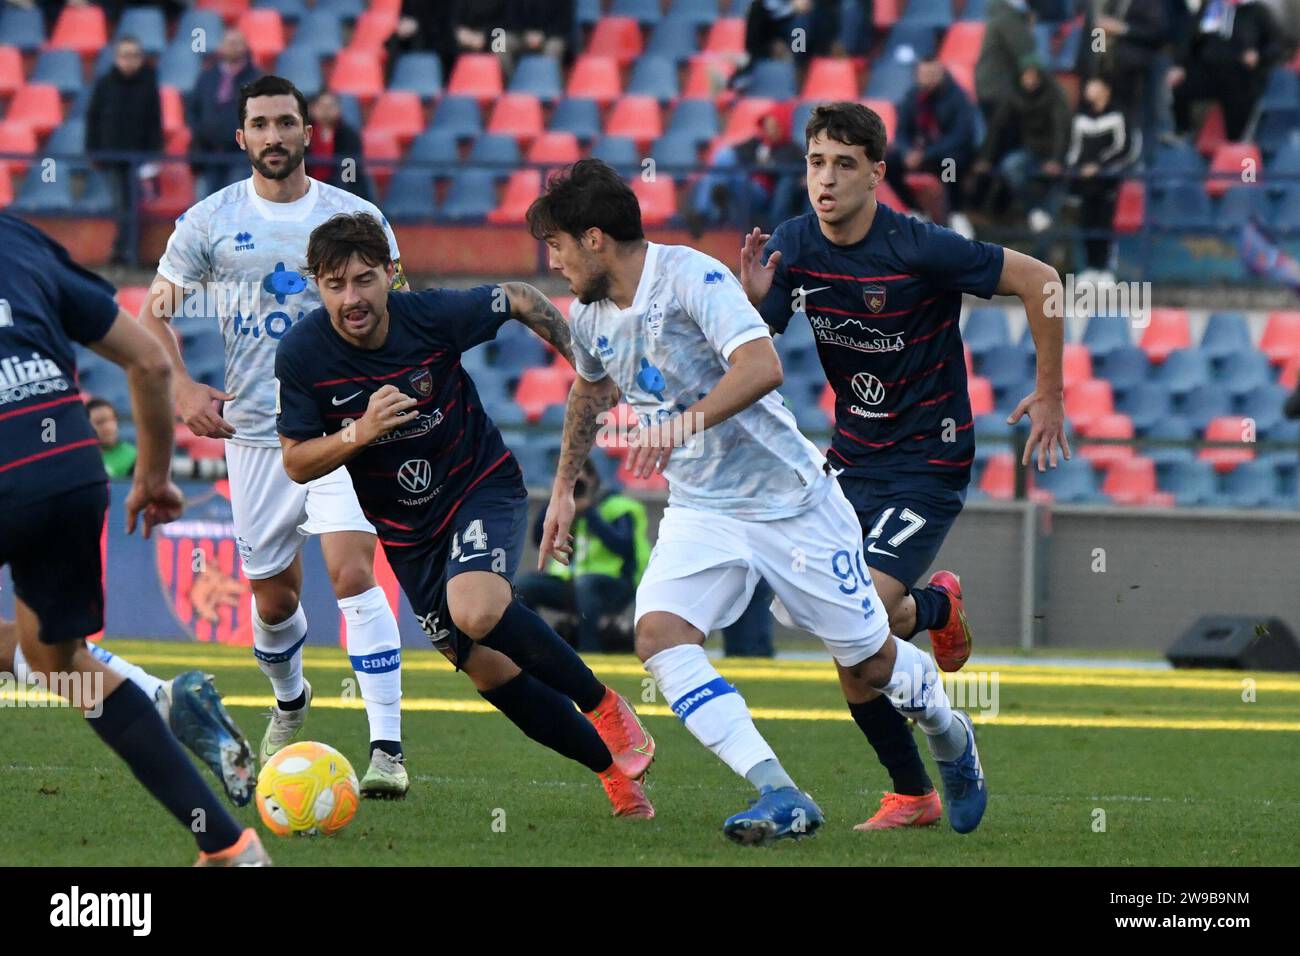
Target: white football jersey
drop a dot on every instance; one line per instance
(666, 352)
(249, 255)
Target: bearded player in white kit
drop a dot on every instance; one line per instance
(245, 243)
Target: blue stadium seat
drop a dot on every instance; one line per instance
(349, 108)
(889, 81)
(1286, 465)
(619, 151)
(301, 66)
(645, 12)
(993, 429)
(459, 115)
(22, 28)
(472, 195)
(1190, 482)
(1225, 334)
(1071, 482)
(1183, 370)
(975, 10)
(1243, 372)
(1286, 214)
(1239, 205)
(516, 348)
(1123, 367)
(533, 461)
(581, 117)
(291, 10)
(343, 9)
(654, 76)
(103, 63)
(539, 75)
(674, 38)
(436, 146)
(320, 30)
(1146, 404)
(552, 418)
(909, 42)
(698, 12)
(1170, 427)
(498, 152)
(410, 195)
(61, 68)
(676, 154)
(1263, 404)
(1184, 209)
(931, 13)
(1105, 333)
(179, 66)
(1202, 403)
(76, 108)
(1284, 170)
(856, 31)
(587, 12)
(1275, 129)
(1282, 89)
(59, 195)
(419, 73)
(147, 25)
(1252, 484)
(986, 327)
(810, 419)
(68, 140)
(774, 79)
(1007, 367)
(1178, 164)
(695, 118)
(207, 21)
(803, 382)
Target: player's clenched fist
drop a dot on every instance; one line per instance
(387, 409)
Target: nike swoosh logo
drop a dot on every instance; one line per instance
(339, 401)
(874, 550)
(470, 557)
(800, 290)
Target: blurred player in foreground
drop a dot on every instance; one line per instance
(882, 292)
(55, 495)
(749, 496)
(373, 382)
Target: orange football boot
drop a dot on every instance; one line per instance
(246, 851)
(898, 810)
(626, 796)
(952, 642)
(629, 743)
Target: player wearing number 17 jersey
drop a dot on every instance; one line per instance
(882, 292)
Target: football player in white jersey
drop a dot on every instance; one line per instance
(241, 249)
(671, 329)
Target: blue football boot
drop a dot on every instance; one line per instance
(200, 721)
(776, 814)
(965, 792)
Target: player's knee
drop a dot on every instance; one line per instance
(658, 630)
(351, 578)
(276, 607)
(477, 615)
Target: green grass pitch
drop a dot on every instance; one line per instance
(1085, 767)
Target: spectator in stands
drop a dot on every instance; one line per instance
(936, 134)
(1027, 140)
(474, 23)
(759, 181)
(334, 155)
(1135, 33)
(611, 546)
(424, 26)
(1008, 38)
(119, 456)
(785, 29)
(124, 115)
(545, 26)
(1101, 148)
(212, 110)
(1225, 54)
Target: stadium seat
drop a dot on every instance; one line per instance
(60, 69)
(931, 13)
(1069, 483)
(1085, 402)
(558, 149)
(637, 117)
(1285, 168)
(11, 70)
(357, 73)
(909, 42)
(229, 10)
(36, 106)
(773, 79)
(827, 402)
(175, 185)
(540, 387)
(1243, 372)
(518, 115)
(291, 11)
(1254, 484)
(1203, 403)
(438, 149)
(301, 67)
(1007, 367)
(173, 110)
(889, 81)
(68, 141)
(1123, 368)
(617, 38)
(1105, 333)
(674, 39)
(981, 395)
(1282, 89)
(985, 328)
(383, 151)
(6, 186)
(1225, 334)
(1240, 204)
(961, 44)
(471, 195)
(726, 35)
(82, 29)
(19, 138)
(1232, 162)
(1227, 428)
(538, 75)
(707, 75)
(1264, 406)
(522, 188)
(581, 117)
(644, 12)
(516, 349)
(476, 75)
(264, 31)
(1132, 481)
(1183, 370)
(343, 9)
(1177, 165)
(1168, 429)
(1182, 210)
(371, 32)
(1146, 403)
(1286, 215)
(22, 28)
(595, 78)
(999, 477)
(179, 66)
(742, 123)
(458, 115)
(830, 78)
(654, 76)
(1076, 363)
(1166, 331)
(1281, 338)
(698, 12)
(410, 196)
(1192, 483)
(418, 73)
(619, 151)
(498, 152)
(658, 198)
(320, 31)
(398, 112)
(697, 119)
(1130, 209)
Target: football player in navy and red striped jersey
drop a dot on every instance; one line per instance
(883, 292)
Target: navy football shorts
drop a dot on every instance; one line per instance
(902, 529)
(52, 549)
(486, 533)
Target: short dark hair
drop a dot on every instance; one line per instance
(126, 38)
(851, 124)
(338, 238)
(588, 194)
(270, 85)
(95, 403)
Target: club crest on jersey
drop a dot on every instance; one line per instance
(874, 297)
(243, 241)
(422, 382)
(654, 321)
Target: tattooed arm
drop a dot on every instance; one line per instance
(535, 310)
(587, 402)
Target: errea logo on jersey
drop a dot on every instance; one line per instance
(243, 241)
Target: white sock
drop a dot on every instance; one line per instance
(916, 691)
(375, 648)
(710, 708)
(278, 649)
(132, 672)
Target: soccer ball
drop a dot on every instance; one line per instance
(307, 788)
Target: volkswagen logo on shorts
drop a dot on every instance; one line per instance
(414, 475)
(868, 388)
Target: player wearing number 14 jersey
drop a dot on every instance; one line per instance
(883, 294)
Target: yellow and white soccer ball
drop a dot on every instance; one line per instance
(307, 788)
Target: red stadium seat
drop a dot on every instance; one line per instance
(742, 123)
(727, 35)
(632, 483)
(964, 76)
(1212, 133)
(1076, 363)
(477, 75)
(360, 74)
(1290, 374)
(970, 363)
(1281, 338)
(638, 118)
(887, 113)
(1085, 402)
(826, 402)
(560, 148)
(6, 186)
(830, 78)
(595, 78)
(131, 297)
(206, 448)
(173, 109)
(961, 44)
(540, 387)
(399, 112)
(264, 31)
(616, 37)
(1227, 428)
(177, 142)
(1167, 331)
(707, 75)
(884, 13)
(11, 70)
(518, 115)
(999, 478)
(372, 31)
(1231, 163)
(1113, 425)
(383, 145)
(930, 194)
(175, 195)
(392, 7)
(38, 106)
(523, 187)
(17, 137)
(1130, 210)
(658, 199)
(981, 395)
(1131, 481)
(229, 9)
(83, 29)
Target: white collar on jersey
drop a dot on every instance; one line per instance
(295, 211)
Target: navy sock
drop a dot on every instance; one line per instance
(298, 703)
(132, 728)
(533, 644)
(932, 608)
(391, 747)
(548, 717)
(891, 737)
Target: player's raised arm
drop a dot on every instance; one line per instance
(755, 276)
(1033, 281)
(529, 305)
